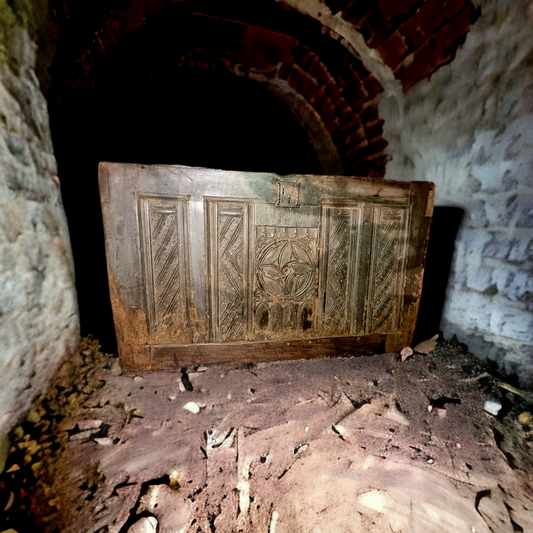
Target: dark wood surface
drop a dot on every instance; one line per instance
(211, 266)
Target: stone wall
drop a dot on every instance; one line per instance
(39, 323)
(469, 129)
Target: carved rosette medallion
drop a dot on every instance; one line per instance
(286, 270)
(285, 279)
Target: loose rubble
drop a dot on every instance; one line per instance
(344, 444)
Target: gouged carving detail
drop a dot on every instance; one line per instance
(166, 268)
(229, 269)
(285, 277)
(387, 268)
(340, 251)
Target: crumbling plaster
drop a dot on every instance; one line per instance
(39, 323)
(469, 129)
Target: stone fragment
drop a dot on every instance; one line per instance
(192, 407)
(115, 368)
(406, 352)
(427, 346)
(395, 415)
(147, 524)
(493, 407)
(104, 441)
(441, 412)
(273, 522)
(89, 424)
(84, 435)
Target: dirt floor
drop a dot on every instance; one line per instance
(354, 444)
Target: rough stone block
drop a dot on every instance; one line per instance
(499, 246)
(479, 276)
(524, 207)
(39, 322)
(470, 309)
(512, 322)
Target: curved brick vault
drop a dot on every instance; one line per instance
(272, 43)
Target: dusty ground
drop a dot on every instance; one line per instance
(325, 446)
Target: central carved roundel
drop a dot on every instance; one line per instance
(285, 269)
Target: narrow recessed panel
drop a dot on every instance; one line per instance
(341, 227)
(164, 250)
(229, 269)
(387, 271)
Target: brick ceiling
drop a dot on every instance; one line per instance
(267, 41)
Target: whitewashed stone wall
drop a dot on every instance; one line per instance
(469, 129)
(39, 322)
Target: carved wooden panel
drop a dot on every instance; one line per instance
(285, 281)
(164, 243)
(229, 267)
(341, 236)
(387, 271)
(212, 266)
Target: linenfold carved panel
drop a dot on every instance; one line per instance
(285, 281)
(229, 268)
(341, 229)
(387, 271)
(163, 223)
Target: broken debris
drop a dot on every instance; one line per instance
(427, 346)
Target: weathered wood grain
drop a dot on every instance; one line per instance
(214, 266)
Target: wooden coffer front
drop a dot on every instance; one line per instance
(210, 266)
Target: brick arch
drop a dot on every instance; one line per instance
(339, 90)
(346, 103)
(413, 37)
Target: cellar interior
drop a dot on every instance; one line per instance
(411, 90)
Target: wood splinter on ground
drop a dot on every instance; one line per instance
(341, 444)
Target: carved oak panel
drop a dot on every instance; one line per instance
(285, 281)
(341, 236)
(164, 244)
(229, 267)
(212, 266)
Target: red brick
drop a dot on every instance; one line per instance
(372, 86)
(390, 8)
(393, 50)
(372, 151)
(437, 51)
(301, 82)
(355, 94)
(374, 168)
(428, 19)
(357, 11)
(374, 130)
(369, 114)
(263, 50)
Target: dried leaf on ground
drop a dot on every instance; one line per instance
(427, 346)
